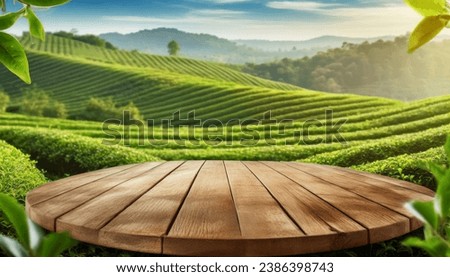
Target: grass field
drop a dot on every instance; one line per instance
(367, 133)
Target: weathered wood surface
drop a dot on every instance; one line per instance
(213, 208)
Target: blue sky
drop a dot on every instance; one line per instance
(236, 19)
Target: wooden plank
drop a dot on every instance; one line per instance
(141, 226)
(46, 213)
(86, 220)
(260, 215)
(208, 211)
(386, 194)
(56, 188)
(314, 216)
(382, 223)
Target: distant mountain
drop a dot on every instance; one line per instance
(322, 43)
(213, 48)
(199, 46)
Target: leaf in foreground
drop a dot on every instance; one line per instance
(54, 244)
(45, 3)
(427, 29)
(15, 213)
(8, 20)
(12, 55)
(428, 7)
(12, 247)
(36, 27)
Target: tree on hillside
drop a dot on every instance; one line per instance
(98, 109)
(37, 102)
(173, 47)
(4, 101)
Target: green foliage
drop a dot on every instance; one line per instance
(427, 29)
(173, 48)
(89, 39)
(102, 109)
(13, 57)
(436, 18)
(34, 101)
(12, 54)
(428, 7)
(435, 214)
(36, 27)
(408, 166)
(132, 112)
(63, 153)
(45, 3)
(381, 68)
(383, 149)
(9, 19)
(4, 101)
(18, 175)
(55, 109)
(37, 102)
(31, 241)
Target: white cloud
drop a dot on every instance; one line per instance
(301, 6)
(217, 12)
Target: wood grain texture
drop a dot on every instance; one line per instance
(87, 219)
(385, 193)
(227, 208)
(46, 213)
(149, 218)
(382, 223)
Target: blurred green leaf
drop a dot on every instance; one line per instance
(13, 56)
(45, 3)
(36, 27)
(15, 213)
(427, 29)
(425, 212)
(443, 195)
(447, 148)
(54, 244)
(428, 7)
(36, 235)
(3, 5)
(8, 20)
(434, 246)
(12, 247)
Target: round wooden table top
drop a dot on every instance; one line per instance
(227, 208)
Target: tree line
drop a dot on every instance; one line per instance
(381, 68)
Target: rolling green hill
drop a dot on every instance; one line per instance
(160, 86)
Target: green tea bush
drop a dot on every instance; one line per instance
(102, 109)
(37, 102)
(4, 101)
(18, 175)
(63, 153)
(384, 148)
(408, 167)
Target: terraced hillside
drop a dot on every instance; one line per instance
(79, 50)
(365, 141)
(165, 85)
